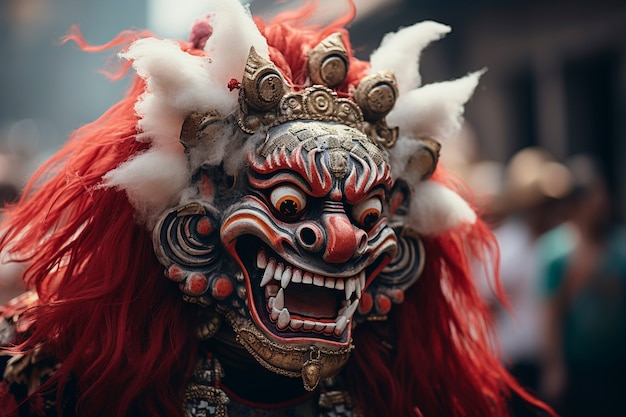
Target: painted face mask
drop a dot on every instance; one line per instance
(294, 248)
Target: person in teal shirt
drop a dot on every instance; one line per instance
(585, 288)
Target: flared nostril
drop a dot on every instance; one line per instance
(309, 237)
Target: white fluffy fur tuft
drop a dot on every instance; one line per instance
(234, 32)
(436, 209)
(152, 181)
(434, 110)
(177, 84)
(400, 52)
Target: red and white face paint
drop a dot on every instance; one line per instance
(310, 236)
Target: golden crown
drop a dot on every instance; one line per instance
(265, 99)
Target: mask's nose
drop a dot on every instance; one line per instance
(343, 239)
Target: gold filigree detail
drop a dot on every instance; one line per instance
(338, 140)
(30, 369)
(212, 395)
(314, 103)
(262, 88)
(202, 392)
(376, 95)
(384, 135)
(264, 100)
(312, 369)
(329, 399)
(199, 125)
(262, 83)
(210, 324)
(292, 361)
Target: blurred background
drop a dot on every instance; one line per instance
(543, 149)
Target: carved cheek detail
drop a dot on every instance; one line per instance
(249, 222)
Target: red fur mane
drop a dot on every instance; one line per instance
(105, 310)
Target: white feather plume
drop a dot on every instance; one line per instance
(434, 110)
(229, 46)
(436, 209)
(400, 52)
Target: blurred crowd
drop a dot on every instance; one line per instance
(563, 269)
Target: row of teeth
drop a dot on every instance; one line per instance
(281, 316)
(286, 274)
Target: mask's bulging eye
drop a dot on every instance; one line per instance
(367, 212)
(288, 200)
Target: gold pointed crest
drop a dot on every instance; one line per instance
(265, 100)
(329, 61)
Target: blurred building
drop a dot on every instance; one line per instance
(48, 89)
(556, 70)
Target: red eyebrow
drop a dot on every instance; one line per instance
(359, 185)
(312, 174)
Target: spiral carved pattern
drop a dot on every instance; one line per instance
(188, 241)
(406, 267)
(320, 102)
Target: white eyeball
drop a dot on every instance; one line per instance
(367, 212)
(288, 200)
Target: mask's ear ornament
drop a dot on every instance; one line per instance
(186, 244)
(423, 162)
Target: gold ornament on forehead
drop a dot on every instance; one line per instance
(265, 100)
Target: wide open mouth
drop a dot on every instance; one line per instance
(293, 302)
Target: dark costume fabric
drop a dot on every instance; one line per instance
(260, 227)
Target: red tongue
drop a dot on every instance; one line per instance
(310, 301)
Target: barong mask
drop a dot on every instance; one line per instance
(294, 212)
